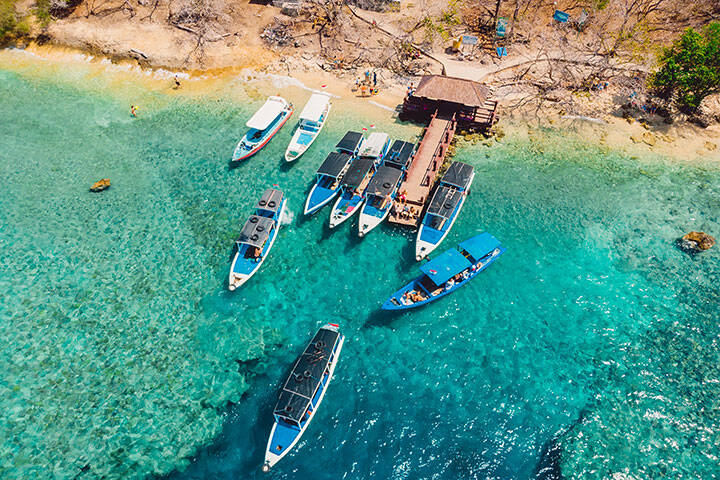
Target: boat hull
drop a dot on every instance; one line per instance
(340, 215)
(247, 154)
(368, 222)
(397, 296)
(316, 200)
(270, 457)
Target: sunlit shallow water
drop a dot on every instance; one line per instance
(588, 350)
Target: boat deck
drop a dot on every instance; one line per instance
(424, 169)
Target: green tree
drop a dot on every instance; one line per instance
(691, 67)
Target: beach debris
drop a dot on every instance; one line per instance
(100, 185)
(277, 33)
(695, 242)
(711, 146)
(649, 139)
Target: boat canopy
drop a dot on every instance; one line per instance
(384, 181)
(444, 201)
(306, 376)
(357, 172)
(315, 107)
(480, 245)
(350, 142)
(400, 154)
(256, 231)
(334, 164)
(374, 145)
(267, 113)
(458, 175)
(445, 266)
(271, 200)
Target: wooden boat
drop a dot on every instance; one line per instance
(303, 392)
(447, 272)
(356, 180)
(257, 238)
(312, 120)
(266, 122)
(443, 210)
(329, 176)
(383, 187)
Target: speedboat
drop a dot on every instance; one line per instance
(357, 178)
(444, 208)
(384, 186)
(329, 175)
(303, 392)
(257, 237)
(262, 126)
(312, 119)
(447, 272)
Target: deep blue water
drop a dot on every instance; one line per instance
(592, 336)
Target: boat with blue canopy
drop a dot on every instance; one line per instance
(263, 125)
(384, 186)
(312, 120)
(358, 176)
(303, 392)
(329, 175)
(447, 272)
(257, 237)
(444, 207)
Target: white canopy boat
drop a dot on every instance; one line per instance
(312, 119)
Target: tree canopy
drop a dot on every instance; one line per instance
(690, 68)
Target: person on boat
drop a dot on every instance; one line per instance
(405, 212)
(465, 274)
(413, 213)
(449, 284)
(403, 196)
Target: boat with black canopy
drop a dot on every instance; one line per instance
(384, 186)
(447, 272)
(303, 392)
(257, 237)
(444, 207)
(329, 175)
(357, 178)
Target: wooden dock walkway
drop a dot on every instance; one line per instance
(424, 168)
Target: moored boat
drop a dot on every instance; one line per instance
(383, 187)
(312, 120)
(263, 125)
(257, 237)
(447, 272)
(303, 392)
(444, 207)
(328, 178)
(358, 176)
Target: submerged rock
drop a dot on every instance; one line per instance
(695, 242)
(100, 185)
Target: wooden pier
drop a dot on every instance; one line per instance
(423, 171)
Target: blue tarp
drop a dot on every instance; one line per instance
(445, 266)
(561, 16)
(480, 245)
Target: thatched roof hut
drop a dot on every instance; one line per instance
(453, 90)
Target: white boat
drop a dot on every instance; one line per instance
(443, 210)
(263, 125)
(312, 119)
(303, 392)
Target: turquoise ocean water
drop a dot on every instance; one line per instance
(589, 350)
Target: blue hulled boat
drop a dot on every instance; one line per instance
(303, 392)
(356, 180)
(329, 175)
(263, 125)
(444, 208)
(447, 272)
(384, 186)
(257, 237)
